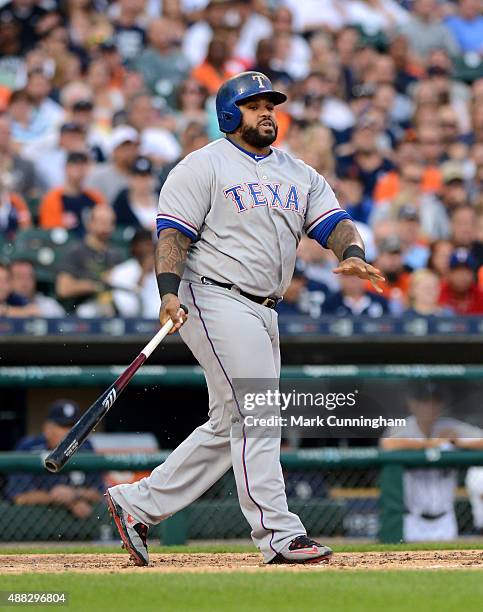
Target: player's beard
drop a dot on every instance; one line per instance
(255, 138)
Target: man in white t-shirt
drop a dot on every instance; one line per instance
(429, 493)
(137, 292)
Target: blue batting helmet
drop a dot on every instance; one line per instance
(238, 89)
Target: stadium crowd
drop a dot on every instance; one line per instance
(99, 100)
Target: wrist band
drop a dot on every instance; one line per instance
(354, 251)
(168, 282)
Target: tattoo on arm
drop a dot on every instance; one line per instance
(344, 234)
(171, 251)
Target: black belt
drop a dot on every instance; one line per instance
(269, 302)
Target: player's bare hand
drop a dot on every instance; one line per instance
(62, 495)
(357, 267)
(171, 309)
(81, 509)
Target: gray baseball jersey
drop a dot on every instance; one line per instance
(246, 214)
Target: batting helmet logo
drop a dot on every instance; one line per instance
(238, 89)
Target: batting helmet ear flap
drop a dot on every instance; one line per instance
(237, 89)
(229, 120)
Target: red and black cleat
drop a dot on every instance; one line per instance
(133, 534)
(303, 550)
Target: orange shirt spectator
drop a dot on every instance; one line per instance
(389, 185)
(64, 206)
(214, 71)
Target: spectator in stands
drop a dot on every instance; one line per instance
(21, 171)
(432, 214)
(467, 26)
(424, 287)
(425, 30)
(409, 231)
(27, 14)
(265, 60)
(12, 304)
(464, 232)
(429, 493)
(157, 142)
(353, 299)
(192, 138)
(162, 64)
(361, 158)
(453, 191)
(48, 115)
(137, 205)
(111, 177)
(460, 291)
(291, 52)
(290, 305)
(439, 255)
(65, 206)
(390, 262)
(14, 213)
(214, 70)
(376, 15)
(24, 283)
(129, 28)
(20, 109)
(84, 267)
(139, 296)
(49, 161)
(191, 105)
(75, 491)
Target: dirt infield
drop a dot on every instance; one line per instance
(229, 562)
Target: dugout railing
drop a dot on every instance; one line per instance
(335, 491)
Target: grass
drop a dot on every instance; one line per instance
(225, 548)
(238, 592)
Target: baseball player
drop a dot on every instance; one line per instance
(230, 218)
(429, 494)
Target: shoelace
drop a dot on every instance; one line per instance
(302, 542)
(142, 531)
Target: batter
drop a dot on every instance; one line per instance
(230, 218)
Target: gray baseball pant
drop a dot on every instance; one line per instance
(232, 337)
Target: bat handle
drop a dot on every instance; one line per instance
(162, 333)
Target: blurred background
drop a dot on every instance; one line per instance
(98, 102)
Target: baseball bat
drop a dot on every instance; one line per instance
(97, 411)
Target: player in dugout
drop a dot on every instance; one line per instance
(76, 491)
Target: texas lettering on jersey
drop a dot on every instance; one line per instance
(253, 195)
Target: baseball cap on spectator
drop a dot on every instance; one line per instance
(77, 157)
(408, 212)
(437, 71)
(122, 134)
(426, 390)
(142, 165)
(108, 45)
(71, 127)
(462, 258)
(391, 244)
(63, 412)
(366, 90)
(451, 172)
(82, 105)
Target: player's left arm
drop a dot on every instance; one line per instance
(346, 242)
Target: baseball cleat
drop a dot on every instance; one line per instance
(303, 550)
(133, 534)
